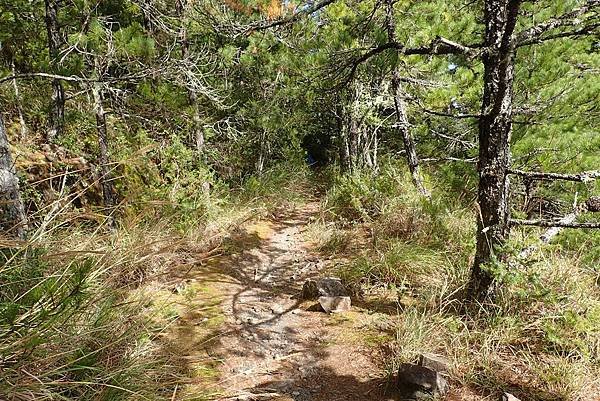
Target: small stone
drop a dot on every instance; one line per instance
(335, 304)
(324, 287)
(435, 362)
(414, 380)
(508, 397)
(296, 393)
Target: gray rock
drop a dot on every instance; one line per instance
(415, 381)
(508, 397)
(435, 362)
(335, 304)
(324, 287)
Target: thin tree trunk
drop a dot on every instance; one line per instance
(495, 128)
(402, 123)
(12, 214)
(57, 109)
(262, 152)
(198, 131)
(23, 128)
(353, 137)
(192, 96)
(103, 160)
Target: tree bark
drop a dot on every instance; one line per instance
(12, 213)
(57, 108)
(495, 128)
(402, 123)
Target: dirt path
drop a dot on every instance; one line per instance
(271, 345)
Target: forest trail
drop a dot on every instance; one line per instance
(270, 344)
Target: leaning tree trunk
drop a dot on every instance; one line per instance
(12, 214)
(402, 123)
(57, 109)
(495, 128)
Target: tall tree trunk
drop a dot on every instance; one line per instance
(57, 109)
(103, 160)
(495, 128)
(402, 123)
(12, 215)
(23, 129)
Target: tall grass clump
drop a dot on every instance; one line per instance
(413, 241)
(65, 333)
(73, 325)
(281, 185)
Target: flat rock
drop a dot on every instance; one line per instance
(324, 287)
(335, 304)
(435, 362)
(415, 381)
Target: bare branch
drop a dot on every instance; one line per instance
(581, 177)
(292, 18)
(45, 75)
(73, 78)
(563, 223)
(439, 46)
(449, 159)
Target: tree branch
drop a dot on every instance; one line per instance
(73, 78)
(535, 34)
(439, 46)
(553, 223)
(581, 177)
(292, 18)
(46, 75)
